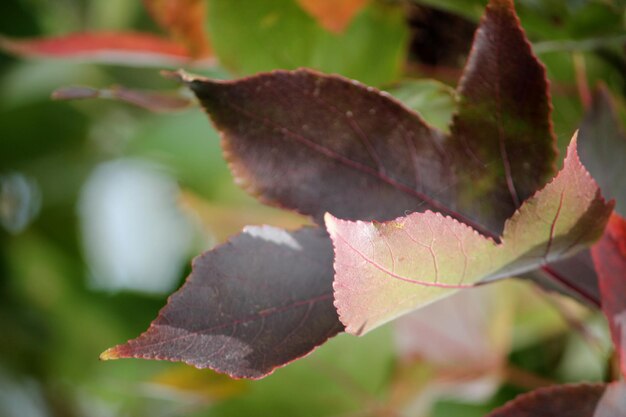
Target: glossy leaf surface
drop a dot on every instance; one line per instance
(384, 270)
(258, 302)
(609, 256)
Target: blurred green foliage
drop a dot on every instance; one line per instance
(54, 322)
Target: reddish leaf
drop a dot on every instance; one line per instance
(568, 400)
(258, 302)
(185, 20)
(384, 270)
(602, 147)
(357, 153)
(136, 49)
(334, 15)
(502, 132)
(149, 100)
(609, 256)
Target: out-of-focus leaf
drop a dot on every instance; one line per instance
(334, 15)
(471, 335)
(609, 256)
(461, 354)
(150, 100)
(206, 384)
(470, 9)
(223, 221)
(250, 37)
(260, 301)
(434, 101)
(134, 49)
(568, 400)
(185, 20)
(331, 382)
(602, 148)
(384, 270)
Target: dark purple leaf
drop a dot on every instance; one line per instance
(568, 401)
(318, 143)
(258, 302)
(502, 132)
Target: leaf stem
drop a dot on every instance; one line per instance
(571, 286)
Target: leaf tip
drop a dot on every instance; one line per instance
(110, 354)
(505, 4)
(331, 223)
(180, 75)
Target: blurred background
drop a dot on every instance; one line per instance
(103, 205)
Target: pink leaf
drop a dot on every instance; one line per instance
(384, 270)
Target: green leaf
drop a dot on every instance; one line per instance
(434, 101)
(250, 37)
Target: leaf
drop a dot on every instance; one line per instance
(254, 36)
(609, 256)
(502, 131)
(358, 154)
(333, 15)
(471, 336)
(185, 20)
(224, 220)
(258, 302)
(568, 400)
(133, 49)
(347, 148)
(149, 100)
(602, 148)
(384, 270)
